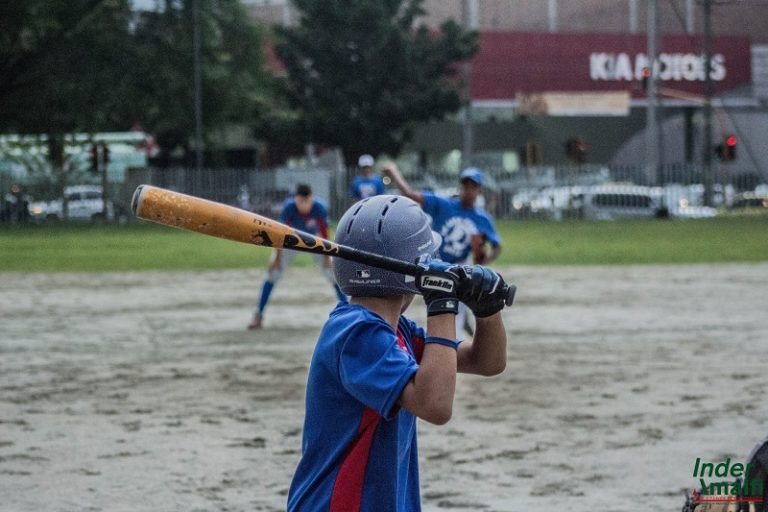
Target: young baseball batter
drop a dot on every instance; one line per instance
(458, 220)
(375, 371)
(307, 213)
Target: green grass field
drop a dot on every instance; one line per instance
(148, 247)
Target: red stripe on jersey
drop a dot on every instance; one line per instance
(401, 342)
(322, 227)
(347, 493)
(418, 348)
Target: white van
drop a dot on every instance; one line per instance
(84, 202)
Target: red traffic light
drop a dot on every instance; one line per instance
(730, 141)
(646, 73)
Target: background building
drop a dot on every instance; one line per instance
(558, 82)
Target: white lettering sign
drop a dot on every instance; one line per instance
(677, 67)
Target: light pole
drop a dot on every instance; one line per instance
(652, 98)
(198, 80)
(708, 92)
(469, 18)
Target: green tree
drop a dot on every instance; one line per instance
(234, 83)
(96, 65)
(61, 68)
(361, 73)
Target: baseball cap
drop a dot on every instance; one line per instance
(365, 161)
(473, 174)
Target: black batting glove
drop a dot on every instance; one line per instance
(438, 284)
(481, 289)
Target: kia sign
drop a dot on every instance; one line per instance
(512, 63)
(669, 66)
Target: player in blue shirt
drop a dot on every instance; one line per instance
(367, 184)
(374, 371)
(464, 227)
(307, 213)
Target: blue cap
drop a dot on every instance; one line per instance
(472, 173)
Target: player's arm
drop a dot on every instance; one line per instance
(495, 251)
(429, 394)
(486, 354)
(493, 239)
(485, 297)
(390, 169)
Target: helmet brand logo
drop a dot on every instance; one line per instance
(363, 274)
(436, 283)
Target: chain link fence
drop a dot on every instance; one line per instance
(586, 191)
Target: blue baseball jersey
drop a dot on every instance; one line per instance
(456, 225)
(363, 187)
(359, 448)
(315, 222)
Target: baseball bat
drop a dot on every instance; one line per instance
(223, 221)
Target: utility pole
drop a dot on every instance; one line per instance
(708, 93)
(633, 16)
(198, 79)
(469, 20)
(552, 15)
(652, 140)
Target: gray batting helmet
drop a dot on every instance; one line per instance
(394, 226)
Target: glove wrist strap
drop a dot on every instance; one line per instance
(442, 306)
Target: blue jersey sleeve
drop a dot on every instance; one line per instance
(285, 212)
(379, 186)
(373, 368)
(433, 205)
(487, 227)
(353, 189)
(320, 211)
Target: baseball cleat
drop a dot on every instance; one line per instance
(256, 324)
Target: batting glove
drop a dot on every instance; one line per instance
(438, 284)
(481, 289)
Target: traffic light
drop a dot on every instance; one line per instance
(105, 155)
(726, 150)
(93, 158)
(645, 76)
(729, 147)
(576, 150)
(530, 153)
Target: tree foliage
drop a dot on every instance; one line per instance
(361, 73)
(61, 64)
(233, 78)
(95, 65)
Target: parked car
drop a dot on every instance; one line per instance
(750, 200)
(84, 202)
(611, 202)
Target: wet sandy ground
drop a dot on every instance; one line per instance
(144, 392)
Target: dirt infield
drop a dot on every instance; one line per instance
(143, 391)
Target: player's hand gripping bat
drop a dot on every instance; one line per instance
(215, 219)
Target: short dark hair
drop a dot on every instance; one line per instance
(303, 190)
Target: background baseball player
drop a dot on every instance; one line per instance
(465, 228)
(374, 371)
(366, 184)
(307, 213)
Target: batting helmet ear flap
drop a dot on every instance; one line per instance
(437, 240)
